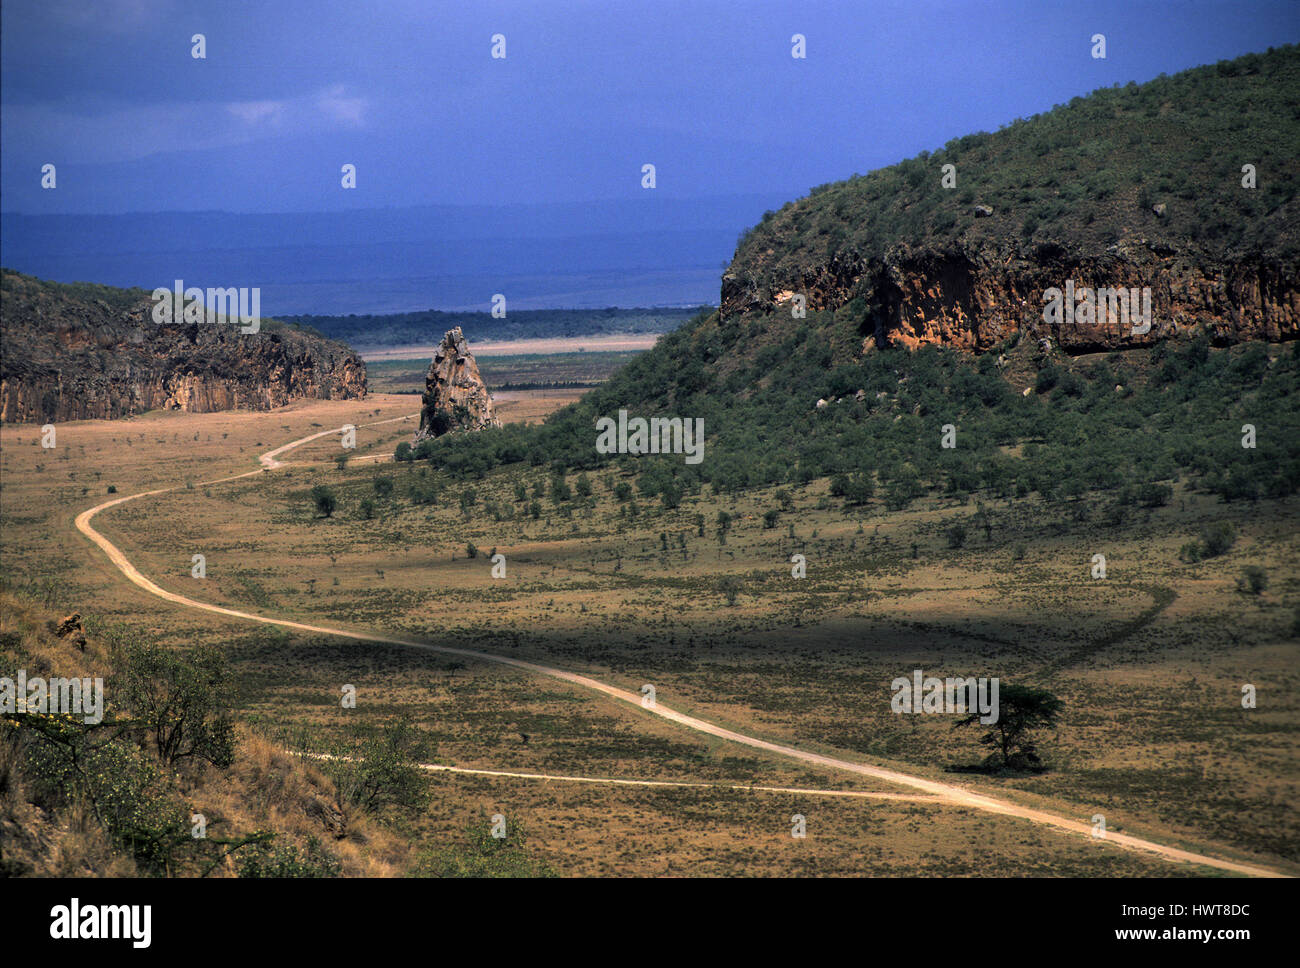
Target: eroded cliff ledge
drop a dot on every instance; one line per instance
(79, 353)
(974, 297)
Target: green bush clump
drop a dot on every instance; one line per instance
(180, 702)
(266, 860)
(127, 792)
(378, 767)
(1254, 580)
(485, 855)
(324, 500)
(1217, 538)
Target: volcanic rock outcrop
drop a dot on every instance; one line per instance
(455, 396)
(902, 257)
(83, 353)
(974, 296)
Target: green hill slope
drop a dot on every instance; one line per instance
(901, 278)
(1085, 173)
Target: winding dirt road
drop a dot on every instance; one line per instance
(945, 793)
(675, 784)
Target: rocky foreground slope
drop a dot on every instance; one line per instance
(78, 352)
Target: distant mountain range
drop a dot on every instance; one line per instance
(654, 251)
(367, 331)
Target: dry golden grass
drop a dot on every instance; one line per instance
(1154, 736)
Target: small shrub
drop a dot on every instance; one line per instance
(671, 496)
(423, 493)
(1254, 580)
(324, 500)
(484, 855)
(314, 862)
(1217, 538)
(1154, 495)
(1047, 378)
(180, 702)
(854, 488)
(381, 770)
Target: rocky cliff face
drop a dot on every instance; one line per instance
(1124, 188)
(455, 397)
(976, 296)
(70, 354)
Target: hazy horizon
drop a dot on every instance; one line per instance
(521, 174)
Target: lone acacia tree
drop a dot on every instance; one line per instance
(183, 700)
(1020, 710)
(324, 500)
(729, 585)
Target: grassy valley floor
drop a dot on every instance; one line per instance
(1150, 661)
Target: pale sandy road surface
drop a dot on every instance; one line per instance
(677, 784)
(938, 792)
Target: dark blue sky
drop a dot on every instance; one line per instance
(589, 91)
